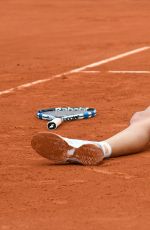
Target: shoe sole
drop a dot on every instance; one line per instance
(54, 148)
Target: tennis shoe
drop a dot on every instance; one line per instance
(60, 150)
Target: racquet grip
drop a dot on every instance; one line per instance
(54, 123)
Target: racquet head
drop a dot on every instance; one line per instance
(56, 116)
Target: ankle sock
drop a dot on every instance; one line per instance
(106, 148)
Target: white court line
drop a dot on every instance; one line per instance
(111, 173)
(110, 59)
(129, 71)
(118, 71)
(77, 70)
(90, 71)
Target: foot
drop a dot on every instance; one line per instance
(57, 149)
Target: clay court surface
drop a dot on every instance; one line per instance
(47, 40)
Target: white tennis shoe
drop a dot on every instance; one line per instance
(63, 150)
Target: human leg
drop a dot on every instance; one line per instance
(131, 140)
(139, 116)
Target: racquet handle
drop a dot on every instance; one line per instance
(54, 123)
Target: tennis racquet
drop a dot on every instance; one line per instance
(56, 116)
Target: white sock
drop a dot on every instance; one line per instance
(106, 148)
(103, 145)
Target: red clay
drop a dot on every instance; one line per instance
(40, 39)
